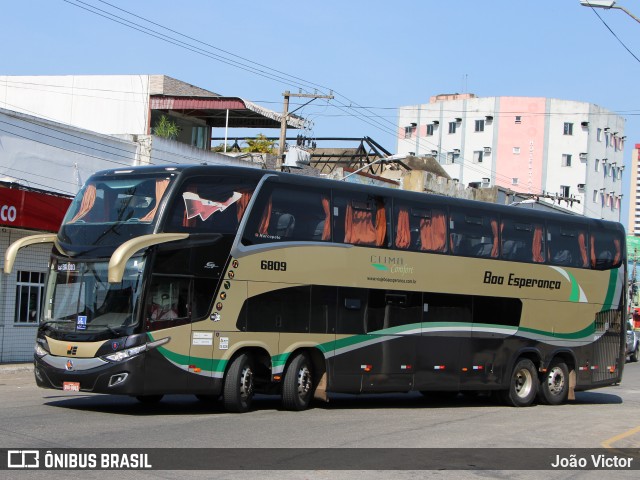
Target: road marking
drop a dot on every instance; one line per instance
(607, 443)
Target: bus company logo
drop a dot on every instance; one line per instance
(390, 264)
(115, 345)
(69, 365)
(72, 349)
(203, 208)
(23, 459)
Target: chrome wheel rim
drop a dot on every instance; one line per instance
(304, 381)
(523, 383)
(246, 383)
(555, 381)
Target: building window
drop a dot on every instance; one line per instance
(477, 156)
(595, 196)
(568, 128)
(514, 181)
(452, 127)
(430, 130)
(408, 131)
(479, 126)
(599, 134)
(597, 165)
(452, 157)
(29, 291)
(516, 150)
(566, 160)
(518, 119)
(564, 191)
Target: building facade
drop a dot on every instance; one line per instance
(559, 151)
(633, 226)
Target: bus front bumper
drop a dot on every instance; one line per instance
(89, 374)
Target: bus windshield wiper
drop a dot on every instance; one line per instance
(49, 322)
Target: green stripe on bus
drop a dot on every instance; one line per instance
(207, 364)
(574, 296)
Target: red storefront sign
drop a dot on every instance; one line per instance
(33, 210)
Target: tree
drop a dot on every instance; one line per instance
(260, 144)
(166, 128)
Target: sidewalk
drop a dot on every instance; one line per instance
(16, 367)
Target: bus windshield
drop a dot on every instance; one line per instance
(109, 210)
(80, 299)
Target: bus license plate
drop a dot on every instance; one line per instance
(71, 386)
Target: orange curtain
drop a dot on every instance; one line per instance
(433, 233)
(403, 230)
(593, 252)
(381, 224)
(583, 249)
(88, 200)
(358, 227)
(536, 248)
(326, 232)
(495, 250)
(266, 218)
(616, 258)
(161, 187)
(242, 204)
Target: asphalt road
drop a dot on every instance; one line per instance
(44, 419)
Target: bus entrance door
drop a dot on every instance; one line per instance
(392, 325)
(446, 328)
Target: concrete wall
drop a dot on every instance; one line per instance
(55, 157)
(110, 104)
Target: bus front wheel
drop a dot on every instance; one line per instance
(297, 386)
(238, 385)
(523, 384)
(554, 384)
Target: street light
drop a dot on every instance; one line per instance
(607, 4)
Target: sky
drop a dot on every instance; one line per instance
(374, 56)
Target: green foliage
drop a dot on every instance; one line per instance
(260, 144)
(166, 128)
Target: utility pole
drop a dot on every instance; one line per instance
(286, 113)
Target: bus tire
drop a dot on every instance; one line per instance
(297, 386)
(554, 384)
(148, 399)
(523, 384)
(238, 385)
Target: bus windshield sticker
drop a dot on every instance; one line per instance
(81, 323)
(196, 206)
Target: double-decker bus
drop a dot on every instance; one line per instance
(224, 281)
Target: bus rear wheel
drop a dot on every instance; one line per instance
(523, 384)
(554, 384)
(238, 385)
(297, 386)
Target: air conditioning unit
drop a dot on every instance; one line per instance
(581, 186)
(583, 156)
(487, 150)
(584, 124)
(434, 152)
(456, 150)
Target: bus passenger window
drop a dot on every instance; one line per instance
(567, 245)
(522, 242)
(361, 220)
(422, 229)
(605, 249)
(474, 234)
(286, 213)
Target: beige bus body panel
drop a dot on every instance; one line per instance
(124, 252)
(12, 251)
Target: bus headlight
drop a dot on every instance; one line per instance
(40, 351)
(126, 354)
